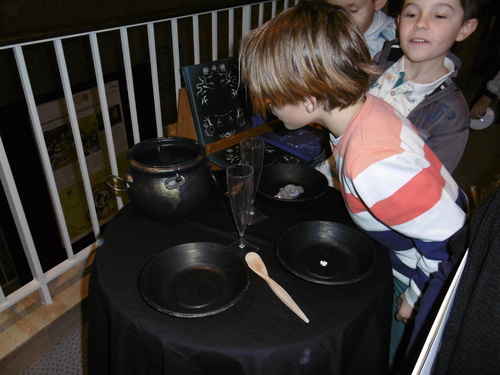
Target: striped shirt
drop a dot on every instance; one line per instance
(397, 190)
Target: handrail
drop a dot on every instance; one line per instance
(38, 20)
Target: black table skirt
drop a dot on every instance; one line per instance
(349, 324)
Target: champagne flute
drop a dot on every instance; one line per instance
(240, 189)
(252, 153)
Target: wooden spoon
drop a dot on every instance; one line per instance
(256, 264)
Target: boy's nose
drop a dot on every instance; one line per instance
(420, 23)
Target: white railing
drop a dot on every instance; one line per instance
(41, 278)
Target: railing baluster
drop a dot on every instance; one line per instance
(231, 32)
(154, 78)
(104, 105)
(130, 83)
(196, 39)
(176, 56)
(247, 14)
(22, 226)
(42, 151)
(214, 36)
(261, 14)
(68, 94)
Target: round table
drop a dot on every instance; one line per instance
(349, 324)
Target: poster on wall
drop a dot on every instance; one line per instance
(60, 144)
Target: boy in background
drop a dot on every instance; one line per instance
(419, 72)
(419, 83)
(310, 64)
(376, 26)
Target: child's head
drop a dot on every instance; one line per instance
(362, 11)
(429, 28)
(313, 49)
(470, 7)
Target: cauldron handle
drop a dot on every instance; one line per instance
(174, 182)
(116, 183)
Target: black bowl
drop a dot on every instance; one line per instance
(194, 279)
(325, 252)
(277, 176)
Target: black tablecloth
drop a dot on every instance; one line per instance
(349, 324)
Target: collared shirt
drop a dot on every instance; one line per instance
(405, 95)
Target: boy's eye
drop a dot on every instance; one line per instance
(410, 11)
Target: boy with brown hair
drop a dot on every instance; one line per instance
(311, 64)
(419, 73)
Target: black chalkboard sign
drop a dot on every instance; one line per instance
(217, 103)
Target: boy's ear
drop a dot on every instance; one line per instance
(379, 4)
(467, 28)
(310, 104)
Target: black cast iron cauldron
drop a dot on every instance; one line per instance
(168, 177)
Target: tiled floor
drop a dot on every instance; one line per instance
(69, 357)
(29, 329)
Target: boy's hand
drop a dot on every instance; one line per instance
(479, 109)
(405, 311)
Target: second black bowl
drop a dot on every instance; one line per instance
(277, 176)
(326, 252)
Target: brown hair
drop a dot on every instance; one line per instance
(313, 49)
(470, 8)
